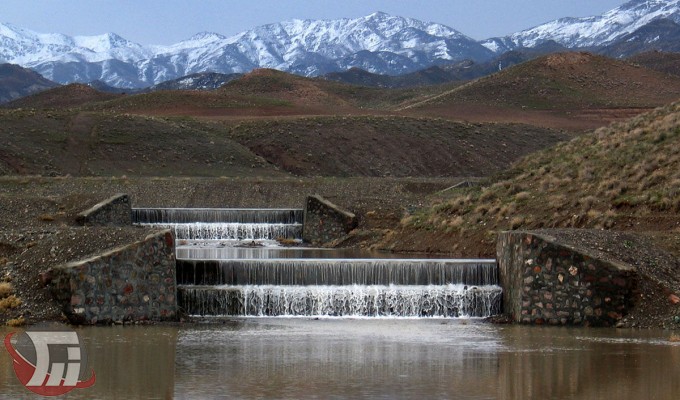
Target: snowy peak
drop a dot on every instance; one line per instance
(29, 48)
(211, 36)
(379, 42)
(592, 31)
(343, 37)
(105, 42)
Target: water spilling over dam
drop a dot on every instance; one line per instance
(229, 264)
(224, 224)
(311, 272)
(343, 301)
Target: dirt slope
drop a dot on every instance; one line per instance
(390, 146)
(566, 81)
(103, 144)
(668, 63)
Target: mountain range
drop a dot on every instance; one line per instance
(378, 43)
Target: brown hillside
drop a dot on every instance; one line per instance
(16, 82)
(259, 93)
(83, 143)
(668, 63)
(267, 93)
(320, 95)
(390, 146)
(58, 142)
(195, 103)
(68, 96)
(282, 86)
(565, 81)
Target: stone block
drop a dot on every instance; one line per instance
(97, 283)
(114, 211)
(325, 222)
(590, 291)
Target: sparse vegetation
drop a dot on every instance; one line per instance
(9, 303)
(6, 290)
(624, 172)
(16, 322)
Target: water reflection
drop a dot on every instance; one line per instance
(588, 364)
(333, 358)
(369, 358)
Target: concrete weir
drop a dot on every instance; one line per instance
(144, 281)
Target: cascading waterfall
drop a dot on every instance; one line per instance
(343, 301)
(224, 223)
(312, 272)
(340, 287)
(236, 231)
(229, 250)
(218, 277)
(160, 216)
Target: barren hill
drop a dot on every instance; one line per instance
(320, 95)
(565, 81)
(259, 93)
(68, 96)
(267, 93)
(16, 82)
(390, 146)
(55, 142)
(282, 86)
(668, 63)
(79, 143)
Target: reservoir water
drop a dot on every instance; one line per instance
(306, 358)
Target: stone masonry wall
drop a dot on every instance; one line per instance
(132, 283)
(547, 282)
(325, 222)
(114, 211)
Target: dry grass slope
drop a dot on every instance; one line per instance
(624, 177)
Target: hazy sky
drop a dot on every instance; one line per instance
(169, 21)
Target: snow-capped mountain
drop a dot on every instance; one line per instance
(379, 43)
(28, 48)
(593, 31)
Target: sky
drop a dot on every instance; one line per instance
(165, 22)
